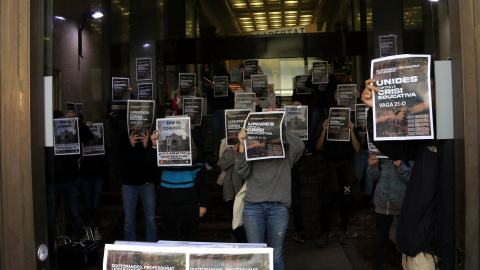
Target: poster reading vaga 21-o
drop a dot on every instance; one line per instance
(264, 135)
(173, 145)
(66, 137)
(402, 108)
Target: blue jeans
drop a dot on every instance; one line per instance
(271, 216)
(72, 192)
(318, 116)
(218, 119)
(360, 164)
(91, 193)
(146, 192)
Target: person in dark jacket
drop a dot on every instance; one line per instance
(64, 180)
(182, 196)
(425, 232)
(138, 182)
(323, 97)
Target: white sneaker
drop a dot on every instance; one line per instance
(97, 236)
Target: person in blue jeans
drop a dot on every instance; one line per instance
(392, 177)
(139, 182)
(268, 194)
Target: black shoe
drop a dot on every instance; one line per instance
(299, 237)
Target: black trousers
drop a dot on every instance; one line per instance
(382, 232)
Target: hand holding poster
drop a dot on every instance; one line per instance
(66, 136)
(300, 85)
(297, 120)
(347, 95)
(220, 86)
(338, 129)
(402, 107)
(320, 72)
(234, 121)
(97, 145)
(186, 83)
(193, 108)
(373, 150)
(245, 101)
(173, 145)
(264, 135)
(140, 116)
(120, 89)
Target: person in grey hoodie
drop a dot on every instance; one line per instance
(268, 194)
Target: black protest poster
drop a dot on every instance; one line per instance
(120, 88)
(264, 135)
(144, 69)
(97, 145)
(347, 95)
(220, 86)
(320, 72)
(245, 101)
(338, 129)
(140, 116)
(234, 120)
(186, 83)
(387, 45)
(193, 108)
(145, 91)
(251, 68)
(300, 85)
(260, 85)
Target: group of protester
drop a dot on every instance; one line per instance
(406, 183)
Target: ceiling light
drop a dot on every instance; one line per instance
(256, 4)
(291, 12)
(59, 18)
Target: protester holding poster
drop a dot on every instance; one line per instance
(65, 180)
(321, 101)
(264, 135)
(338, 180)
(268, 186)
(140, 116)
(183, 192)
(248, 69)
(426, 224)
(138, 182)
(234, 122)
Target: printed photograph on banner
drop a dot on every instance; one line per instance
(373, 150)
(220, 86)
(174, 147)
(260, 85)
(387, 45)
(300, 85)
(186, 83)
(251, 68)
(143, 257)
(347, 95)
(70, 107)
(320, 72)
(338, 127)
(361, 117)
(193, 108)
(297, 120)
(120, 88)
(140, 116)
(234, 261)
(145, 91)
(402, 108)
(96, 146)
(264, 135)
(234, 120)
(144, 69)
(245, 101)
(66, 136)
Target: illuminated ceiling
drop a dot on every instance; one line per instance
(240, 16)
